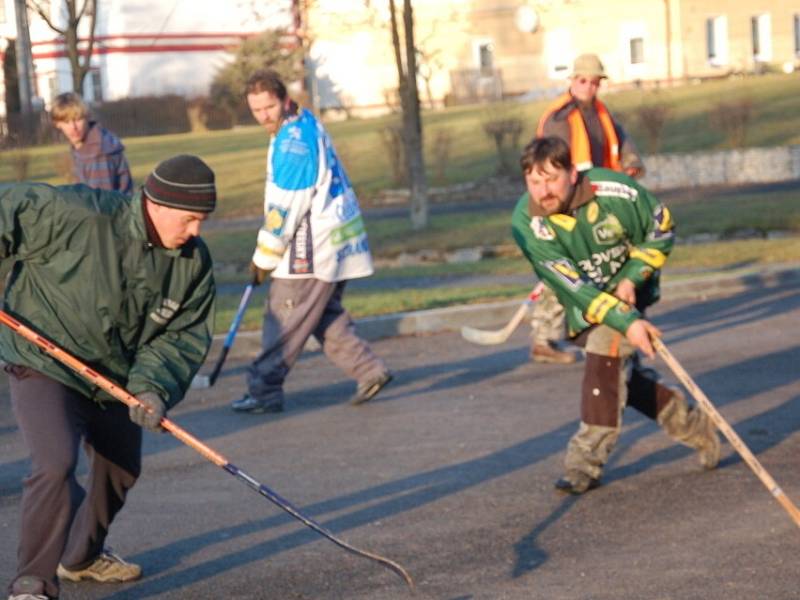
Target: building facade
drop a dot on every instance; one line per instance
(143, 47)
(467, 50)
(487, 49)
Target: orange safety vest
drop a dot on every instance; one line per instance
(580, 148)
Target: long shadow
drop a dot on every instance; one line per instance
(383, 501)
(208, 424)
(759, 432)
(412, 492)
(747, 307)
(218, 421)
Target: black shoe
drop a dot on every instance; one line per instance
(249, 404)
(368, 390)
(576, 484)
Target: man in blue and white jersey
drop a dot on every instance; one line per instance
(312, 242)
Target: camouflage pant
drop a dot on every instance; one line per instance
(548, 320)
(610, 384)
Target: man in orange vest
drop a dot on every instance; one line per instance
(595, 139)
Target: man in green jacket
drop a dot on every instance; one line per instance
(125, 285)
(598, 239)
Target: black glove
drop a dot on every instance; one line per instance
(258, 274)
(149, 413)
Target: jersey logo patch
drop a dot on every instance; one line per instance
(275, 219)
(613, 188)
(662, 223)
(608, 231)
(566, 272)
(541, 230)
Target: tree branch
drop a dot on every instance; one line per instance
(39, 10)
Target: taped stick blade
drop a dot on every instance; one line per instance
(486, 338)
(200, 382)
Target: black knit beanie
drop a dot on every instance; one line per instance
(184, 182)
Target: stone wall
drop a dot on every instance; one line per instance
(664, 172)
(722, 167)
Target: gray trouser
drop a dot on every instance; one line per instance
(60, 521)
(297, 309)
(548, 320)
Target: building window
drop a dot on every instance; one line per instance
(761, 34)
(717, 40)
(485, 56)
(797, 34)
(97, 85)
(636, 46)
(559, 53)
(52, 88)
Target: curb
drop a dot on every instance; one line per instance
(493, 314)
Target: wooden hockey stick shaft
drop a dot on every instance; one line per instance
(184, 436)
(727, 431)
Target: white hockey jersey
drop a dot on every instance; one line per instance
(312, 221)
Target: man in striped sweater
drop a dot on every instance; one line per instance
(98, 157)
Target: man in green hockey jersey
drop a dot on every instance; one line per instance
(598, 239)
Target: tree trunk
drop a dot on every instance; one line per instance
(412, 122)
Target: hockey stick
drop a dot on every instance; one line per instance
(489, 338)
(727, 431)
(206, 381)
(184, 436)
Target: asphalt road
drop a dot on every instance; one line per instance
(450, 473)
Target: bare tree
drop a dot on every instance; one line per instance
(405, 55)
(73, 12)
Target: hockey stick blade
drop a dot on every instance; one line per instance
(490, 338)
(200, 382)
(206, 381)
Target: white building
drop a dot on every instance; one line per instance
(144, 47)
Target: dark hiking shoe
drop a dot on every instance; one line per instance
(549, 353)
(369, 389)
(576, 483)
(254, 406)
(107, 568)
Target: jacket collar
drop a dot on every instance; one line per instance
(141, 228)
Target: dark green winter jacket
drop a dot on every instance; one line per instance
(87, 278)
(613, 229)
